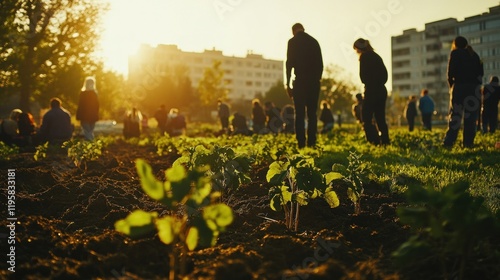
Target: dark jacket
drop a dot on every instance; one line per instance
(411, 110)
(304, 56)
(326, 116)
(56, 126)
(88, 107)
(372, 70)
(464, 67)
(426, 105)
(258, 116)
(491, 97)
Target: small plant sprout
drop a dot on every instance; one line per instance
(354, 175)
(41, 151)
(199, 219)
(227, 169)
(82, 151)
(294, 182)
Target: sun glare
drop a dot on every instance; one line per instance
(131, 23)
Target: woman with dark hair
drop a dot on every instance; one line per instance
(373, 74)
(465, 73)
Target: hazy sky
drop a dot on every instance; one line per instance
(236, 26)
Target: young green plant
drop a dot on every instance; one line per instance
(294, 182)
(190, 193)
(355, 174)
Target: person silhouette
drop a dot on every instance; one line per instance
(465, 73)
(56, 125)
(305, 59)
(373, 74)
(88, 108)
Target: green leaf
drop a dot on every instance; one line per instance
(275, 202)
(331, 197)
(202, 191)
(151, 186)
(176, 173)
(136, 223)
(276, 169)
(339, 168)
(168, 229)
(331, 176)
(192, 238)
(218, 216)
(301, 198)
(353, 195)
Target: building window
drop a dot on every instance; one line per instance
(475, 40)
(403, 39)
(401, 76)
(492, 24)
(249, 83)
(399, 64)
(492, 38)
(432, 47)
(405, 51)
(469, 28)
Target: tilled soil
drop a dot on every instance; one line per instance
(66, 215)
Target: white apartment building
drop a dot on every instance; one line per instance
(420, 58)
(245, 77)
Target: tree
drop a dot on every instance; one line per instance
(44, 39)
(337, 89)
(212, 86)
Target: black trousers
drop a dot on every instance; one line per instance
(305, 99)
(464, 104)
(490, 120)
(374, 107)
(427, 120)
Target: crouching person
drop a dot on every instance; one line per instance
(56, 125)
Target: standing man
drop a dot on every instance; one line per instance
(464, 78)
(411, 112)
(426, 107)
(161, 117)
(88, 108)
(223, 112)
(490, 99)
(304, 57)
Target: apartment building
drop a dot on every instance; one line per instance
(245, 77)
(420, 58)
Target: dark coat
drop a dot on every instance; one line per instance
(88, 107)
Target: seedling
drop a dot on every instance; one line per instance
(82, 151)
(41, 151)
(294, 182)
(227, 169)
(354, 175)
(201, 221)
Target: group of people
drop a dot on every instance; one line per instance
(425, 106)
(171, 122)
(467, 97)
(18, 129)
(56, 126)
(264, 119)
